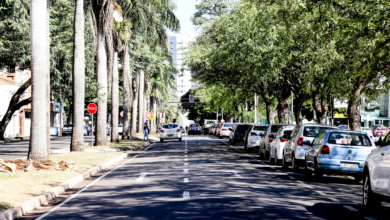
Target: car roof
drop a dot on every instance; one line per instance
(322, 125)
(346, 131)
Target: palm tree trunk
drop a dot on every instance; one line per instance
(141, 99)
(40, 61)
(115, 100)
(135, 106)
(154, 110)
(48, 84)
(101, 124)
(77, 143)
(127, 87)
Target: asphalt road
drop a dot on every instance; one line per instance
(205, 178)
(19, 149)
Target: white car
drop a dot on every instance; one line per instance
(224, 130)
(254, 136)
(277, 146)
(368, 131)
(376, 178)
(170, 131)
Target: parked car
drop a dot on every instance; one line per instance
(266, 140)
(376, 178)
(194, 129)
(170, 131)
(373, 127)
(368, 131)
(224, 130)
(294, 150)
(381, 131)
(211, 129)
(345, 127)
(253, 137)
(277, 145)
(338, 152)
(215, 132)
(237, 132)
(54, 131)
(67, 129)
(207, 124)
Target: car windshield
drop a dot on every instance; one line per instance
(228, 125)
(275, 128)
(209, 122)
(366, 129)
(260, 128)
(314, 131)
(242, 128)
(381, 129)
(354, 139)
(169, 126)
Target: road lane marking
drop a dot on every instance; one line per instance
(321, 193)
(291, 177)
(186, 180)
(185, 164)
(369, 218)
(350, 208)
(149, 146)
(333, 199)
(82, 190)
(185, 159)
(186, 195)
(235, 173)
(186, 155)
(185, 170)
(141, 177)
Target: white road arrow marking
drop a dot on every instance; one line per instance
(142, 176)
(186, 195)
(186, 180)
(235, 173)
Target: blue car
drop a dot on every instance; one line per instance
(54, 131)
(338, 152)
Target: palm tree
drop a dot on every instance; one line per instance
(40, 63)
(77, 143)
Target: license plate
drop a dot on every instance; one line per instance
(349, 165)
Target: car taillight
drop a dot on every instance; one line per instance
(178, 130)
(224, 129)
(270, 139)
(325, 150)
(283, 139)
(253, 134)
(161, 131)
(300, 142)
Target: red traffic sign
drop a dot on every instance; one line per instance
(148, 114)
(92, 108)
(222, 121)
(89, 122)
(121, 114)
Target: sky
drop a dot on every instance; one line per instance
(185, 10)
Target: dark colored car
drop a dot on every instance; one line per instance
(237, 132)
(195, 129)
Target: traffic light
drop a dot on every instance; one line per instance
(191, 98)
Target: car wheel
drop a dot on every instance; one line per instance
(261, 155)
(358, 177)
(245, 147)
(317, 172)
(307, 171)
(371, 201)
(270, 159)
(179, 139)
(161, 140)
(294, 164)
(284, 163)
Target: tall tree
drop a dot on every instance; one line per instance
(40, 60)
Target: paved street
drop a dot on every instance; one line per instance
(205, 178)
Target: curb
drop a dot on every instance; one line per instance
(53, 193)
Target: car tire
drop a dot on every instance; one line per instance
(284, 163)
(179, 139)
(317, 172)
(161, 140)
(245, 147)
(371, 201)
(308, 174)
(261, 155)
(358, 177)
(294, 165)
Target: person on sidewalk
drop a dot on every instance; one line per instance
(146, 131)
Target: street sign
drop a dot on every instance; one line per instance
(152, 117)
(121, 114)
(148, 114)
(222, 121)
(162, 120)
(92, 108)
(129, 115)
(89, 122)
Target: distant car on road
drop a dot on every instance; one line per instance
(267, 138)
(224, 130)
(194, 129)
(368, 131)
(54, 131)
(381, 131)
(237, 132)
(170, 131)
(338, 152)
(67, 129)
(277, 145)
(253, 137)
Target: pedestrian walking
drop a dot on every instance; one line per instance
(146, 131)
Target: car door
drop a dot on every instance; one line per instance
(381, 168)
(290, 143)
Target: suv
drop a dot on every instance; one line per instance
(237, 132)
(170, 131)
(267, 138)
(376, 178)
(294, 151)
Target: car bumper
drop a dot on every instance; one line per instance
(253, 142)
(171, 136)
(334, 166)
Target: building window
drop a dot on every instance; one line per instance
(27, 114)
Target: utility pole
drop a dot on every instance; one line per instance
(292, 108)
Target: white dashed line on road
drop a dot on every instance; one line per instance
(321, 193)
(141, 177)
(185, 159)
(185, 164)
(185, 170)
(186, 155)
(291, 177)
(186, 180)
(350, 208)
(186, 195)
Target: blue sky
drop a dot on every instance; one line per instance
(185, 10)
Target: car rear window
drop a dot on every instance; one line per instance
(169, 126)
(260, 128)
(381, 129)
(275, 128)
(314, 131)
(228, 125)
(287, 133)
(242, 128)
(353, 139)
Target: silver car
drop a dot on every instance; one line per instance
(254, 136)
(376, 176)
(277, 146)
(294, 151)
(170, 131)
